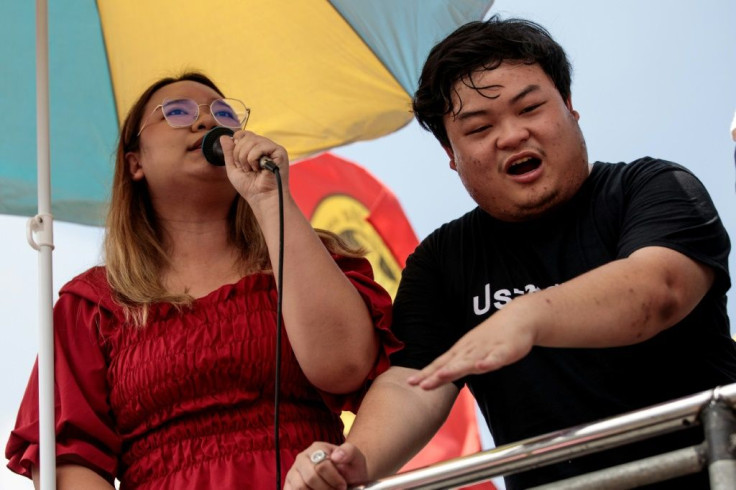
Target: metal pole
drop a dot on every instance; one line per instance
(557, 446)
(637, 473)
(42, 224)
(719, 425)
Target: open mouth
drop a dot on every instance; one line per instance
(524, 165)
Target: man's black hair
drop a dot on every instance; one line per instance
(483, 45)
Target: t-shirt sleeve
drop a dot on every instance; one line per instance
(668, 206)
(423, 311)
(84, 429)
(378, 301)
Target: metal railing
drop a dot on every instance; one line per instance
(713, 409)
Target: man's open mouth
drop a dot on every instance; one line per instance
(524, 165)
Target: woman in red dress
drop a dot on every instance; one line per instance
(165, 357)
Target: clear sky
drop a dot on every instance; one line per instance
(653, 77)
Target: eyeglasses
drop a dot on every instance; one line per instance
(180, 113)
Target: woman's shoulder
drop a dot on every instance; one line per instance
(91, 285)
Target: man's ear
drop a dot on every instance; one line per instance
(568, 104)
(450, 154)
(133, 159)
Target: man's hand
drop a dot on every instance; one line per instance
(325, 466)
(494, 343)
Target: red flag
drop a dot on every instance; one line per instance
(342, 197)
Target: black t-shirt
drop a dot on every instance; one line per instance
(473, 266)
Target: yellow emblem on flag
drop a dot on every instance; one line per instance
(348, 217)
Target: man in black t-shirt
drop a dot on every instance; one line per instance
(572, 293)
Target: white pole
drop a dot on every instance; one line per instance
(42, 225)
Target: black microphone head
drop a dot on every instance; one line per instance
(211, 145)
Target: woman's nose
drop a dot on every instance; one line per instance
(205, 119)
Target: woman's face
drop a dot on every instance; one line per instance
(170, 160)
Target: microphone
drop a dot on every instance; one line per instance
(211, 146)
(212, 149)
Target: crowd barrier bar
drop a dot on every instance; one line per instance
(713, 409)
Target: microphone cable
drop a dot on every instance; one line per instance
(268, 164)
(214, 155)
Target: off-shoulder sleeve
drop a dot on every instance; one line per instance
(84, 428)
(378, 301)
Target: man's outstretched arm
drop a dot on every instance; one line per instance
(624, 302)
(394, 422)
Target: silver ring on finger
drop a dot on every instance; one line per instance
(318, 456)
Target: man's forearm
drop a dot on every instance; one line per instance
(620, 303)
(396, 420)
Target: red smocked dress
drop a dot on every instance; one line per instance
(187, 402)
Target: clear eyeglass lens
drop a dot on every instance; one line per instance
(180, 112)
(230, 113)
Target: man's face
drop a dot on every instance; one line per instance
(515, 142)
